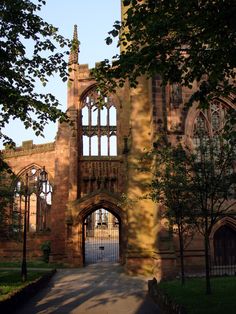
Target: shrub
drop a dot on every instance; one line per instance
(46, 249)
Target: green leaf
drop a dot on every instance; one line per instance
(17, 84)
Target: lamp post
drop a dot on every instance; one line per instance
(23, 265)
(32, 183)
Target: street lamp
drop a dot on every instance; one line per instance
(23, 265)
(34, 181)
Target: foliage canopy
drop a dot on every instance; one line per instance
(183, 41)
(6, 195)
(22, 30)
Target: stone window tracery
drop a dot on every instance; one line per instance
(99, 126)
(32, 198)
(207, 136)
(209, 125)
(176, 95)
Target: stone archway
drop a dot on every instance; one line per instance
(84, 213)
(225, 246)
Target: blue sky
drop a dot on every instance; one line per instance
(94, 19)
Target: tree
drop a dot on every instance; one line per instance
(6, 197)
(182, 41)
(21, 69)
(213, 184)
(197, 187)
(170, 188)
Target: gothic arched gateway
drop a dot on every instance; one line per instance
(101, 237)
(98, 230)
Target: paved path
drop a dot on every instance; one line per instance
(95, 289)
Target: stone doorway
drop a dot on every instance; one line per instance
(225, 246)
(101, 231)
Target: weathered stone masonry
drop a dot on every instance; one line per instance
(83, 182)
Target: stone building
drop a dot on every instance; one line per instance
(91, 166)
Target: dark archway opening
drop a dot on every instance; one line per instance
(101, 237)
(225, 246)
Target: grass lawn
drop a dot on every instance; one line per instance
(192, 296)
(35, 264)
(10, 281)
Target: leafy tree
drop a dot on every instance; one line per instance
(46, 249)
(213, 184)
(183, 41)
(196, 187)
(170, 187)
(21, 69)
(6, 197)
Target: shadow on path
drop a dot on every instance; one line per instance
(95, 289)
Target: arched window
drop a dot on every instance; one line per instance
(99, 126)
(32, 200)
(209, 144)
(209, 124)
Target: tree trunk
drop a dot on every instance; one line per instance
(181, 251)
(207, 260)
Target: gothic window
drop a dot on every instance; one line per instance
(32, 201)
(104, 145)
(211, 121)
(113, 145)
(85, 145)
(208, 126)
(115, 222)
(94, 145)
(101, 218)
(99, 126)
(200, 130)
(175, 95)
(208, 140)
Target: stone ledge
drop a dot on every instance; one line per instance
(165, 303)
(21, 296)
(28, 150)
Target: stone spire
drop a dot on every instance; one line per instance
(74, 51)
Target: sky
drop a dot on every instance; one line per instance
(94, 19)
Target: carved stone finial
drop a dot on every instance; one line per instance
(74, 51)
(75, 34)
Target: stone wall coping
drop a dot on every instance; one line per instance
(32, 149)
(101, 158)
(84, 66)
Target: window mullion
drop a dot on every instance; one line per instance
(99, 132)
(209, 122)
(108, 131)
(90, 123)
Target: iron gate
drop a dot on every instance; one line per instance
(101, 237)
